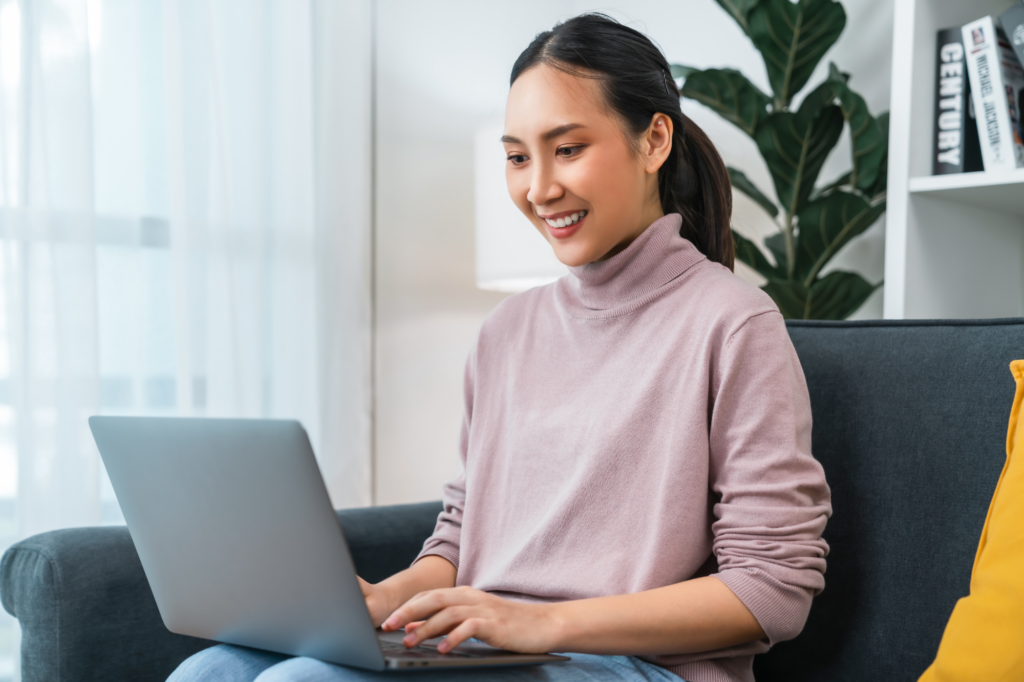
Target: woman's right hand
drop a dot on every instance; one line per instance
(384, 598)
(378, 601)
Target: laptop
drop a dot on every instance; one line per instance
(240, 544)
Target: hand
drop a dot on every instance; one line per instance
(378, 601)
(463, 612)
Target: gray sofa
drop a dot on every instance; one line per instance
(909, 422)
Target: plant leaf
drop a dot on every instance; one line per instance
(835, 74)
(870, 146)
(789, 296)
(795, 147)
(748, 252)
(828, 224)
(833, 297)
(776, 245)
(740, 11)
(730, 94)
(792, 39)
(842, 181)
(741, 182)
(838, 295)
(820, 97)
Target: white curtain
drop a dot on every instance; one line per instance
(184, 230)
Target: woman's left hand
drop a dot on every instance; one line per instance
(463, 612)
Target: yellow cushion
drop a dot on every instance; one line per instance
(984, 639)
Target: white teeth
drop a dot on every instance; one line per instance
(567, 220)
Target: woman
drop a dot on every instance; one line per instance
(636, 484)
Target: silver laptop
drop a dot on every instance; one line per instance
(240, 544)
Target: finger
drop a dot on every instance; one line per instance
(391, 623)
(421, 608)
(417, 609)
(442, 622)
(387, 626)
(409, 627)
(471, 627)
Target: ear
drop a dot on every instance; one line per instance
(657, 142)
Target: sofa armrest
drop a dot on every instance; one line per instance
(87, 613)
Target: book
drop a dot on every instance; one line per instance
(997, 81)
(957, 148)
(1013, 26)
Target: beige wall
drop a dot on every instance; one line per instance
(442, 70)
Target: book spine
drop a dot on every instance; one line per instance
(951, 104)
(989, 94)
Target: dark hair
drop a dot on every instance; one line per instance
(637, 84)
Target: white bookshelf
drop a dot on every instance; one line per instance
(954, 245)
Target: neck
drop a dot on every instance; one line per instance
(649, 215)
(656, 257)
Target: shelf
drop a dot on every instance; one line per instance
(954, 244)
(1000, 192)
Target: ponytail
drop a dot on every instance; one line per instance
(637, 84)
(696, 185)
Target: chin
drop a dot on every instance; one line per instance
(574, 255)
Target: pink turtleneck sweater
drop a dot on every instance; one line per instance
(641, 421)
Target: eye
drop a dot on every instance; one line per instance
(570, 151)
(517, 159)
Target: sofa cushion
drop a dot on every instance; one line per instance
(909, 424)
(984, 638)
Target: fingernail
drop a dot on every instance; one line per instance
(408, 640)
(443, 647)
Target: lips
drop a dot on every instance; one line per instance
(564, 225)
(565, 219)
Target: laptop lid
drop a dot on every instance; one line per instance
(237, 535)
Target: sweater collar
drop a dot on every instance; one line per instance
(655, 258)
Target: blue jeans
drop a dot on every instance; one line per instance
(227, 663)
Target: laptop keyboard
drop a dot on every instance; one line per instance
(398, 650)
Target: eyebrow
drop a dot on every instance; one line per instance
(549, 135)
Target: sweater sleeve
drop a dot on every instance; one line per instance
(444, 542)
(772, 500)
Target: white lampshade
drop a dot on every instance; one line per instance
(510, 254)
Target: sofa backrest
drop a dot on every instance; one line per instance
(910, 425)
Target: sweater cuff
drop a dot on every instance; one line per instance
(443, 550)
(780, 609)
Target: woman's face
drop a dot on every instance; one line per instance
(572, 170)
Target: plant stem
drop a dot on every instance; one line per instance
(797, 31)
(790, 246)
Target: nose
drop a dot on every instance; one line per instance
(544, 187)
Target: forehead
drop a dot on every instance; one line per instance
(544, 97)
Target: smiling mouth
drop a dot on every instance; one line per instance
(568, 220)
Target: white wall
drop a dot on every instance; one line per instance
(442, 72)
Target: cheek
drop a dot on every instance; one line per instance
(518, 183)
(602, 178)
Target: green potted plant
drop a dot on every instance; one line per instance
(815, 221)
